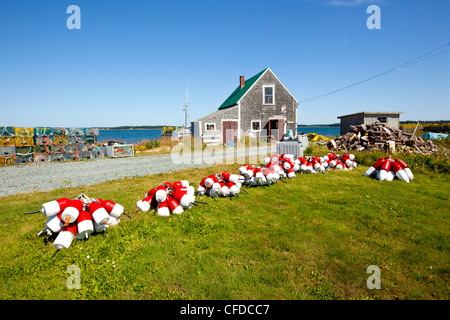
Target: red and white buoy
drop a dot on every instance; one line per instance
(99, 214)
(53, 225)
(71, 212)
(114, 209)
(406, 168)
(374, 167)
(85, 226)
(163, 208)
(174, 206)
(384, 168)
(65, 237)
(399, 171)
(161, 193)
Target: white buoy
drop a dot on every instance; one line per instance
(163, 208)
(374, 167)
(71, 212)
(144, 204)
(400, 172)
(65, 237)
(174, 206)
(85, 226)
(405, 168)
(114, 209)
(54, 207)
(161, 194)
(98, 213)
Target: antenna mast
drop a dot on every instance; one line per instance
(186, 104)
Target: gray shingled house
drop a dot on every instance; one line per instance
(260, 106)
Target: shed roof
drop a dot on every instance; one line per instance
(238, 93)
(369, 113)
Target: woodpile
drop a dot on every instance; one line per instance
(377, 136)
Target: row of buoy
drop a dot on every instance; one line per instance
(68, 219)
(388, 169)
(224, 184)
(275, 169)
(169, 198)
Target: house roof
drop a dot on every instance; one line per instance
(238, 93)
(368, 113)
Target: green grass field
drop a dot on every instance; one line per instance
(312, 238)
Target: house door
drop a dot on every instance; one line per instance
(230, 131)
(276, 128)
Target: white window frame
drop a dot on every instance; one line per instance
(264, 94)
(251, 125)
(210, 123)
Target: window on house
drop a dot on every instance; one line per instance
(269, 96)
(256, 125)
(382, 119)
(210, 126)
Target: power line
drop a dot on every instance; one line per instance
(415, 60)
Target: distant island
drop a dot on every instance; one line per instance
(133, 127)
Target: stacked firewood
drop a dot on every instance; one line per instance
(377, 136)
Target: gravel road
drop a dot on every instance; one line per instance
(55, 175)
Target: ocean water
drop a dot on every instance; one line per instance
(324, 131)
(129, 136)
(135, 136)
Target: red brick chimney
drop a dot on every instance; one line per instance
(242, 81)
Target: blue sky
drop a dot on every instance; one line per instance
(131, 61)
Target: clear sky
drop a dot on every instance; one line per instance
(132, 60)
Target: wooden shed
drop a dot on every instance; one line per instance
(391, 119)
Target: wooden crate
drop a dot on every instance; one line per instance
(7, 141)
(7, 151)
(25, 150)
(44, 149)
(43, 140)
(6, 161)
(23, 159)
(24, 141)
(76, 139)
(61, 140)
(61, 132)
(41, 157)
(43, 132)
(23, 132)
(7, 132)
(57, 157)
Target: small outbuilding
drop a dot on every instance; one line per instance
(391, 119)
(260, 106)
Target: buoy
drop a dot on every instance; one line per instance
(374, 167)
(234, 189)
(399, 171)
(114, 209)
(406, 168)
(183, 199)
(174, 206)
(52, 208)
(161, 193)
(98, 213)
(384, 168)
(85, 226)
(53, 225)
(163, 208)
(71, 212)
(65, 237)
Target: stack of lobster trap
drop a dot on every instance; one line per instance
(47, 144)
